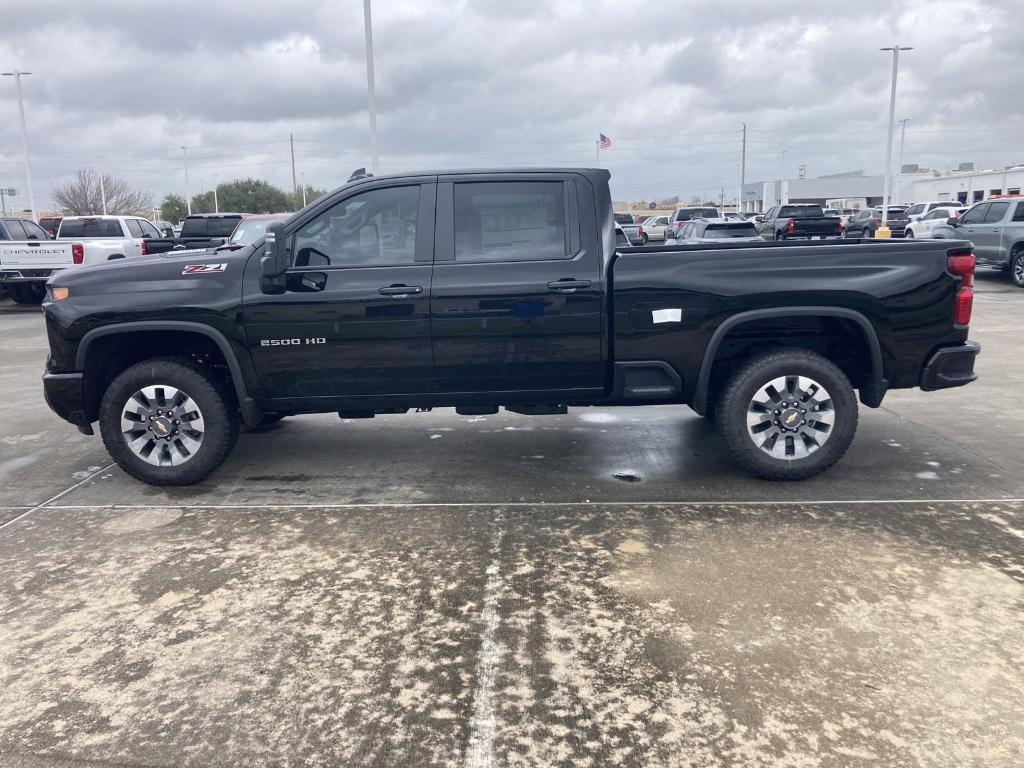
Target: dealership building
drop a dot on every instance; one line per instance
(965, 185)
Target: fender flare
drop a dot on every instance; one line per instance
(871, 396)
(250, 411)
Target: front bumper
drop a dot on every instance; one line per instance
(950, 367)
(65, 394)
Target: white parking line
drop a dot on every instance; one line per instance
(587, 503)
(483, 725)
(66, 491)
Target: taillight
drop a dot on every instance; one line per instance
(640, 230)
(961, 265)
(77, 253)
(791, 227)
(144, 250)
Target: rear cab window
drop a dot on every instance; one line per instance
(801, 212)
(726, 231)
(210, 226)
(83, 229)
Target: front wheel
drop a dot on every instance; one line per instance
(166, 423)
(1017, 268)
(909, 234)
(643, 240)
(788, 414)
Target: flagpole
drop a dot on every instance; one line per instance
(597, 153)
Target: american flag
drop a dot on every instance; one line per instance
(604, 142)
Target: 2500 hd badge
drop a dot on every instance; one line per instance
(291, 342)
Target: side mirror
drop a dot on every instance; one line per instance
(274, 261)
(953, 222)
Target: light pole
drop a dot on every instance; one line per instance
(903, 138)
(371, 93)
(216, 205)
(103, 188)
(24, 141)
(6, 192)
(887, 187)
(188, 198)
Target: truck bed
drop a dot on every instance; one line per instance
(901, 288)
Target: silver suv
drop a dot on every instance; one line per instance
(996, 227)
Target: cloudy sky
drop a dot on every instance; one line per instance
(475, 83)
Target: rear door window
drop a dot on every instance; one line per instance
(1018, 215)
(510, 221)
(134, 228)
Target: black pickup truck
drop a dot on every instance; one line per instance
(482, 289)
(798, 222)
(198, 230)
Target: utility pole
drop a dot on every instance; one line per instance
(295, 186)
(24, 141)
(188, 197)
(903, 138)
(303, 189)
(887, 187)
(743, 167)
(370, 91)
(103, 188)
(216, 205)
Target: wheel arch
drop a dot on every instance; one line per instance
(871, 394)
(250, 412)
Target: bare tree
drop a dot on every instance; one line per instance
(82, 196)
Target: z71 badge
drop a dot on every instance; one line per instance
(203, 269)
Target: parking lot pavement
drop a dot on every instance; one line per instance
(601, 588)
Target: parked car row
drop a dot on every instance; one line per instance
(30, 254)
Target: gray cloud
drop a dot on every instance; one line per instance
(493, 82)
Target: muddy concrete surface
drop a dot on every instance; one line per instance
(601, 588)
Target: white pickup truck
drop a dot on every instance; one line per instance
(131, 231)
(26, 265)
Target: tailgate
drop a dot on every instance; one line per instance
(823, 226)
(35, 254)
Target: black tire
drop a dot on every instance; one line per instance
(1017, 267)
(868, 232)
(750, 379)
(909, 234)
(644, 239)
(215, 403)
(27, 293)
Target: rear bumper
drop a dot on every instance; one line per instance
(950, 367)
(65, 394)
(27, 275)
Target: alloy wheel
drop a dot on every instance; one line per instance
(790, 417)
(162, 425)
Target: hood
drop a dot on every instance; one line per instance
(171, 275)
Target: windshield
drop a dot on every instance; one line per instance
(726, 231)
(83, 229)
(251, 230)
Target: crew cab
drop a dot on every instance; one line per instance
(795, 222)
(198, 231)
(29, 260)
(133, 232)
(505, 288)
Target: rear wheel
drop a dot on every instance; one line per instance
(27, 293)
(787, 414)
(643, 239)
(1017, 267)
(909, 234)
(166, 423)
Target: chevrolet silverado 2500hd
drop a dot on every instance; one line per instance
(483, 289)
